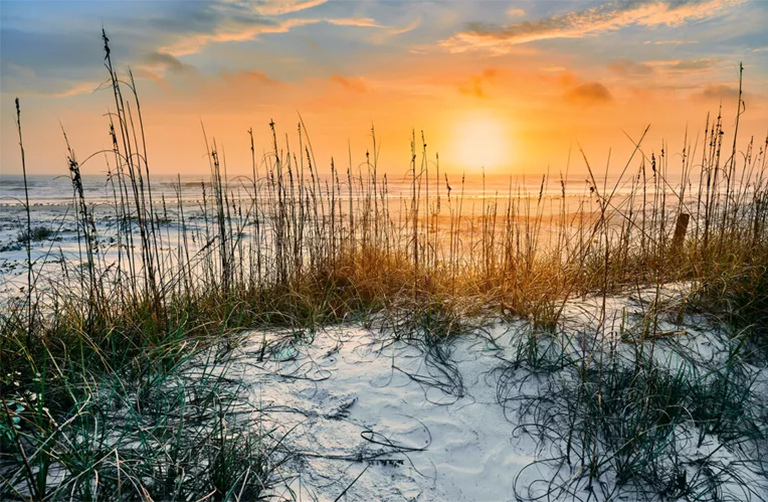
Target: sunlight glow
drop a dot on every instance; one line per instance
(482, 140)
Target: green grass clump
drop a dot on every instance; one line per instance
(37, 234)
(740, 295)
(169, 435)
(624, 431)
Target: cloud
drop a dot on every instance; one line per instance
(145, 73)
(399, 31)
(163, 61)
(250, 27)
(629, 68)
(84, 88)
(719, 92)
(56, 88)
(682, 65)
(566, 78)
(695, 64)
(515, 12)
(231, 30)
(604, 18)
(355, 84)
(476, 85)
(670, 42)
(280, 7)
(589, 94)
(51, 55)
(252, 77)
(195, 25)
(363, 22)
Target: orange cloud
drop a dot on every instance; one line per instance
(355, 84)
(567, 78)
(476, 84)
(608, 17)
(719, 92)
(363, 22)
(253, 77)
(589, 94)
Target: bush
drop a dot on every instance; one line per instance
(37, 234)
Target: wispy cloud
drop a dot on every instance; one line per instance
(84, 88)
(412, 26)
(355, 84)
(363, 22)
(221, 21)
(163, 61)
(280, 7)
(604, 18)
(628, 67)
(61, 89)
(670, 42)
(696, 64)
(239, 31)
(683, 65)
(252, 77)
(231, 30)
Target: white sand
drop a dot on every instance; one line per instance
(350, 400)
(348, 396)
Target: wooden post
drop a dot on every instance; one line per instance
(680, 228)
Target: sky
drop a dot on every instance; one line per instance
(508, 87)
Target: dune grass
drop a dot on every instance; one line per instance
(105, 395)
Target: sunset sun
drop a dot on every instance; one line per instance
(482, 141)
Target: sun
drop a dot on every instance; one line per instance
(482, 140)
